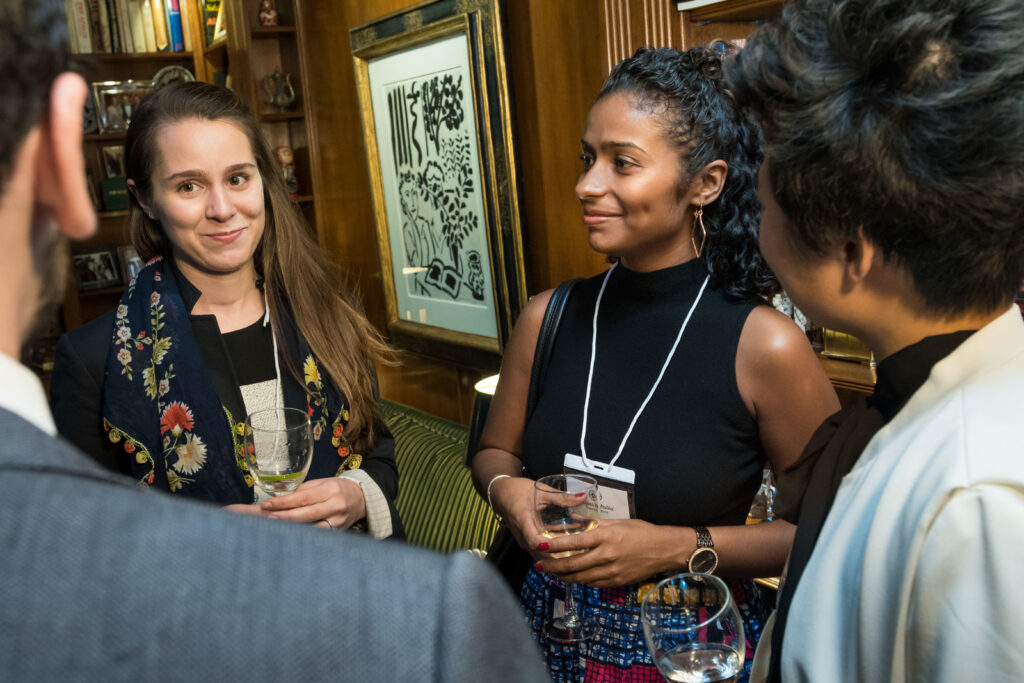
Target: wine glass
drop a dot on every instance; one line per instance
(566, 504)
(693, 629)
(278, 448)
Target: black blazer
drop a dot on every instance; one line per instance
(76, 394)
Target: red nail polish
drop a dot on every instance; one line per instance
(539, 567)
(581, 493)
(544, 545)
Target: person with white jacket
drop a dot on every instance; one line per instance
(892, 189)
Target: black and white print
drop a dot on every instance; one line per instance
(433, 151)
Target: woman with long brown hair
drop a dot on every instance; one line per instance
(238, 309)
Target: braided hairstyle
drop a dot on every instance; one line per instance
(685, 91)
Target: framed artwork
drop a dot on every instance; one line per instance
(435, 106)
(115, 102)
(113, 161)
(96, 269)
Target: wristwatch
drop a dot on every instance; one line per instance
(704, 559)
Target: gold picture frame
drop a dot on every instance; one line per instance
(436, 114)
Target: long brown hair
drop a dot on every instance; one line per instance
(295, 270)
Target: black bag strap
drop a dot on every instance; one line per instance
(546, 341)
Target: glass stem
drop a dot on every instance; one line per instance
(571, 618)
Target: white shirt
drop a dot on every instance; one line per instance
(22, 393)
(919, 569)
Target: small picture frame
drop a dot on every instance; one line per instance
(131, 263)
(113, 161)
(96, 269)
(116, 101)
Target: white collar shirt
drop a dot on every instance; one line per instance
(22, 393)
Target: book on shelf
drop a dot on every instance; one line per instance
(210, 10)
(115, 28)
(135, 21)
(124, 26)
(95, 25)
(99, 8)
(160, 25)
(69, 16)
(146, 13)
(174, 31)
(79, 28)
(220, 29)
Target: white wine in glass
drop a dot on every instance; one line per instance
(278, 446)
(693, 629)
(566, 504)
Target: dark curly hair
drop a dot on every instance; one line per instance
(33, 51)
(905, 117)
(700, 117)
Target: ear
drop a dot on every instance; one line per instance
(60, 172)
(857, 257)
(708, 184)
(138, 197)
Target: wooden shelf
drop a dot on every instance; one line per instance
(268, 32)
(275, 117)
(219, 45)
(103, 137)
(302, 198)
(116, 57)
(738, 10)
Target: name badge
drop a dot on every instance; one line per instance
(615, 484)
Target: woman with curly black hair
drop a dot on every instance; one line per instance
(669, 366)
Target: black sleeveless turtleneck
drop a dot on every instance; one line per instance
(695, 449)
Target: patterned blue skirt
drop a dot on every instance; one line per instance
(617, 653)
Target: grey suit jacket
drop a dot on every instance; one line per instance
(100, 580)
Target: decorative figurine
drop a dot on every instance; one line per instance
(286, 158)
(279, 90)
(268, 13)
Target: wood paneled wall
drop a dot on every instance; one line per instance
(559, 53)
(556, 68)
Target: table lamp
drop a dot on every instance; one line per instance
(483, 391)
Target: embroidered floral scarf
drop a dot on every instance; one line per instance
(160, 405)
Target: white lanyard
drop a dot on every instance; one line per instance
(590, 375)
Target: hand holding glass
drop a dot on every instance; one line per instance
(693, 629)
(566, 504)
(278, 446)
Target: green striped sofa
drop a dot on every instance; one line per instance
(436, 500)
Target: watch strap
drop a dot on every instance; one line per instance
(704, 539)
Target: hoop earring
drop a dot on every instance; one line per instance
(698, 219)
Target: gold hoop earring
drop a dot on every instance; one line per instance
(698, 219)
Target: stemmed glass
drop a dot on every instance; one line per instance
(278, 448)
(566, 504)
(693, 629)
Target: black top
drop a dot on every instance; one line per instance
(695, 449)
(251, 350)
(808, 488)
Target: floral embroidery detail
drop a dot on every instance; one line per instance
(311, 372)
(237, 436)
(191, 455)
(316, 399)
(175, 418)
(132, 445)
(351, 462)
